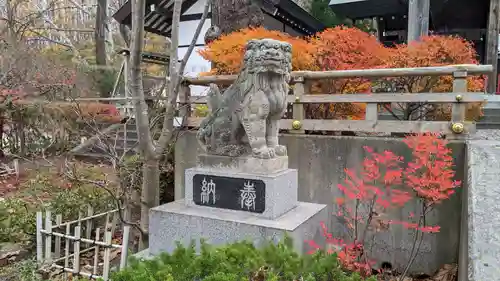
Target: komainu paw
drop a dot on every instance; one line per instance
(264, 153)
(280, 150)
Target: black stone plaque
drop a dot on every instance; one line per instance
(229, 193)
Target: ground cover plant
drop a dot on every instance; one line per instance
(46, 189)
(238, 262)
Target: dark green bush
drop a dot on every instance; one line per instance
(237, 262)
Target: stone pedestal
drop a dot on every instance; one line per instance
(177, 222)
(276, 193)
(243, 164)
(233, 199)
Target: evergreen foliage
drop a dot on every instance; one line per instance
(240, 261)
(320, 9)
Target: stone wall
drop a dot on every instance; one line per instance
(482, 253)
(321, 161)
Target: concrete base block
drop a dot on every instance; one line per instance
(177, 222)
(281, 189)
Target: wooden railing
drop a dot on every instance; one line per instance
(459, 97)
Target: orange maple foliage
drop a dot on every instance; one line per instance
(436, 51)
(344, 48)
(227, 52)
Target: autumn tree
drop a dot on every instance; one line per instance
(430, 51)
(343, 48)
(346, 48)
(226, 53)
(37, 101)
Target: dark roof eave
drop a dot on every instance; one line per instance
(122, 16)
(123, 12)
(369, 8)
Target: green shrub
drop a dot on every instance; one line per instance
(237, 262)
(45, 190)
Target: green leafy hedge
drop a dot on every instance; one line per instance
(237, 262)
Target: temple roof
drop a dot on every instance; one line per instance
(445, 14)
(158, 20)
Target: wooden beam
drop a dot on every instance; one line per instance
(418, 19)
(380, 126)
(471, 69)
(466, 97)
(492, 43)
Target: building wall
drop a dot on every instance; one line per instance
(196, 64)
(321, 161)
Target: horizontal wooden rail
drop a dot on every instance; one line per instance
(84, 219)
(381, 126)
(387, 98)
(471, 69)
(79, 239)
(379, 98)
(362, 98)
(116, 98)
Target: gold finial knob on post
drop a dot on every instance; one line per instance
(297, 99)
(457, 128)
(459, 98)
(296, 125)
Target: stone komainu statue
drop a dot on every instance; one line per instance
(245, 119)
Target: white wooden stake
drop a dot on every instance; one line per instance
(96, 254)
(57, 250)
(66, 251)
(76, 254)
(105, 272)
(48, 238)
(125, 238)
(90, 213)
(39, 237)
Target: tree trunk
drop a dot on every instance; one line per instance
(100, 32)
(150, 194)
(150, 175)
(150, 151)
(232, 15)
(100, 40)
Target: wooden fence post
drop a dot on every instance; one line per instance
(371, 113)
(459, 108)
(298, 113)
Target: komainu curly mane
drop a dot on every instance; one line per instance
(244, 120)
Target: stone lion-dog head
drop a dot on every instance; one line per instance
(268, 56)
